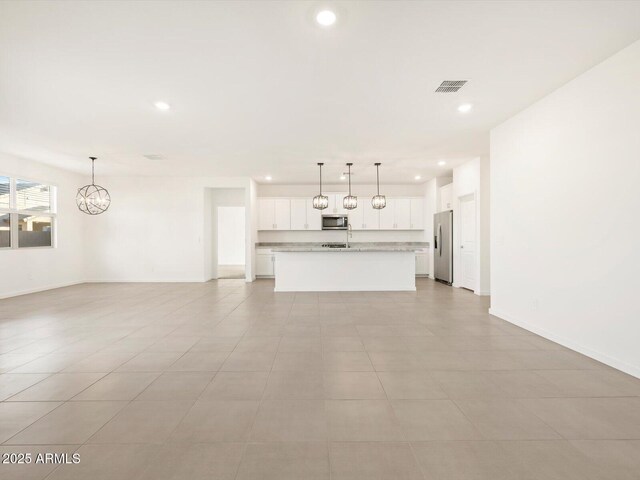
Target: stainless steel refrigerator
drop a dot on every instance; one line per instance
(443, 246)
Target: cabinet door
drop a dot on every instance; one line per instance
(266, 214)
(370, 216)
(335, 203)
(417, 214)
(387, 216)
(298, 214)
(422, 264)
(332, 208)
(314, 217)
(356, 217)
(339, 208)
(446, 197)
(282, 214)
(264, 265)
(402, 213)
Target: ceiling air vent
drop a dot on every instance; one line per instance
(153, 156)
(450, 86)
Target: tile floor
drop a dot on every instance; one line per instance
(227, 380)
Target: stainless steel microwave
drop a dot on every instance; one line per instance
(335, 222)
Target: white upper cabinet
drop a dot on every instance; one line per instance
(401, 213)
(365, 217)
(371, 216)
(387, 215)
(417, 214)
(274, 214)
(266, 214)
(314, 217)
(304, 216)
(298, 214)
(335, 204)
(283, 214)
(446, 197)
(397, 215)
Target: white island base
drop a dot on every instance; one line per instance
(345, 271)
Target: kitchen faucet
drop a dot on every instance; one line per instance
(349, 234)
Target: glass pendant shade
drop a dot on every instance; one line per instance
(93, 199)
(320, 202)
(350, 202)
(378, 201)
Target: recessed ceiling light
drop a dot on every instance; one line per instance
(268, 178)
(162, 105)
(326, 18)
(465, 107)
(343, 177)
(417, 177)
(442, 162)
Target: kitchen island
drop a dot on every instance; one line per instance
(358, 268)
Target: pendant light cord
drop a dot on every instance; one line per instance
(349, 179)
(93, 177)
(378, 177)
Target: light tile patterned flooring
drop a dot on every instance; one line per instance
(227, 380)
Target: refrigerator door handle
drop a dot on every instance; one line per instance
(440, 236)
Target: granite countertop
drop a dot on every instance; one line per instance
(350, 249)
(353, 246)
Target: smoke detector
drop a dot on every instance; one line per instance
(450, 86)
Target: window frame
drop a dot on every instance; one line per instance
(14, 214)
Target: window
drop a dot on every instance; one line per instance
(27, 213)
(33, 196)
(5, 230)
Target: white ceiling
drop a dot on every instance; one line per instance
(258, 88)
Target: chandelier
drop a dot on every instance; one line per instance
(378, 201)
(93, 199)
(350, 201)
(320, 202)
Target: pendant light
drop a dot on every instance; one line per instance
(350, 201)
(320, 202)
(93, 199)
(378, 201)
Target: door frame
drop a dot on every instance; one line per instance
(457, 240)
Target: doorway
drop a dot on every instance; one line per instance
(468, 225)
(231, 242)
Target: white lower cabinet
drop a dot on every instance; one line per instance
(265, 263)
(422, 262)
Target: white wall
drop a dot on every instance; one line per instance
(484, 237)
(565, 206)
(158, 230)
(466, 181)
(251, 201)
(29, 270)
(430, 208)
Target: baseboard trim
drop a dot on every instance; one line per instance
(149, 280)
(18, 293)
(596, 355)
(482, 293)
